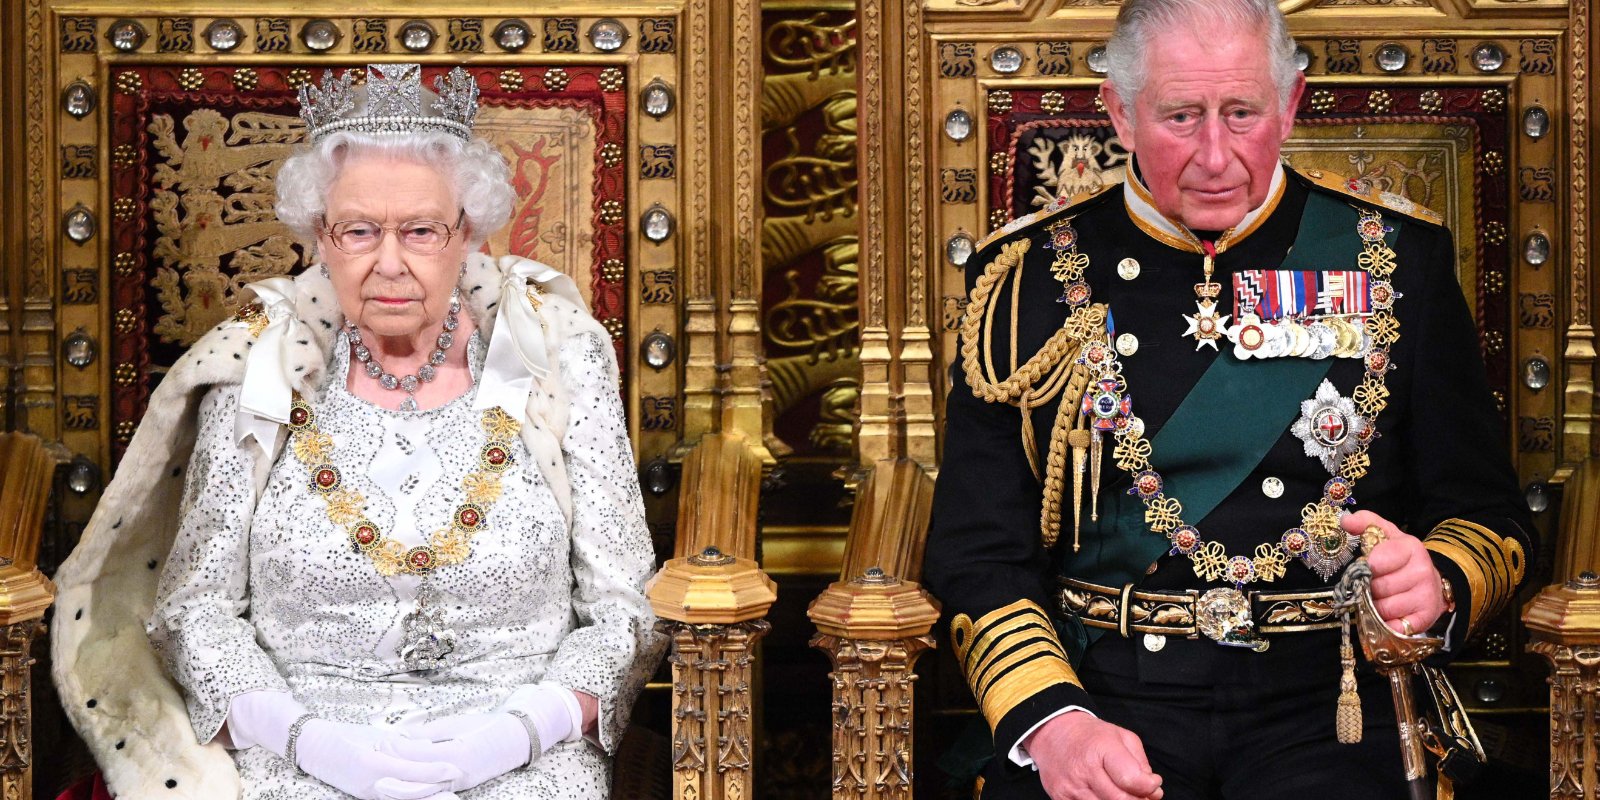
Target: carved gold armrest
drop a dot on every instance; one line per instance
(26, 471)
(874, 623)
(711, 600)
(1563, 623)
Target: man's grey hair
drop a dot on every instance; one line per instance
(1140, 21)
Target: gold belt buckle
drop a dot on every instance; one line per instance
(1223, 615)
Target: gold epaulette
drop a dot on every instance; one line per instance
(1058, 206)
(1493, 564)
(1009, 655)
(1364, 190)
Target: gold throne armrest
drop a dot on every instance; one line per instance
(874, 623)
(712, 599)
(26, 471)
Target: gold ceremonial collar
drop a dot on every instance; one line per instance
(1142, 208)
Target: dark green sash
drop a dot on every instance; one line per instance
(1225, 425)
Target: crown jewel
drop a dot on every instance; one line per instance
(393, 103)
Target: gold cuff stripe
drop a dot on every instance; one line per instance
(1015, 652)
(1015, 686)
(979, 663)
(1009, 655)
(1493, 564)
(1023, 617)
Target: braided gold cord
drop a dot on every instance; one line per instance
(1062, 344)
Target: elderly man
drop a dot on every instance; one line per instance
(1271, 362)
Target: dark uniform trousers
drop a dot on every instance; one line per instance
(1216, 722)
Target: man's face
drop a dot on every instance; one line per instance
(1207, 126)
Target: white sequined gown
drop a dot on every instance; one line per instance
(269, 594)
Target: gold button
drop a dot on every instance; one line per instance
(1127, 344)
(1128, 269)
(1272, 487)
(1154, 642)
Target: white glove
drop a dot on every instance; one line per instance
(481, 746)
(359, 760)
(339, 754)
(486, 746)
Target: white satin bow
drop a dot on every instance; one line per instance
(266, 393)
(517, 351)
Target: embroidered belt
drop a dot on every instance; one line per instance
(1128, 611)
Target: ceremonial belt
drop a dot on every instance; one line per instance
(1128, 612)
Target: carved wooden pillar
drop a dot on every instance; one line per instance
(1563, 622)
(897, 373)
(724, 369)
(711, 600)
(1581, 413)
(874, 623)
(25, 594)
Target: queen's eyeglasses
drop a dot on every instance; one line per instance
(425, 237)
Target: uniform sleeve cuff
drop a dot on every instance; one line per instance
(1027, 716)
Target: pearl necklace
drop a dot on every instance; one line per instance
(425, 374)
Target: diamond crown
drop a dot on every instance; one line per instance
(392, 103)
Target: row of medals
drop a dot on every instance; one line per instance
(1337, 337)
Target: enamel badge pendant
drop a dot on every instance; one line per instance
(1205, 326)
(1330, 427)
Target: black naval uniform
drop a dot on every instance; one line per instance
(1216, 722)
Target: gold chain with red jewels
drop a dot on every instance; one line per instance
(345, 507)
(1319, 521)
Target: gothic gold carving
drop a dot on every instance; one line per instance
(958, 185)
(711, 735)
(872, 714)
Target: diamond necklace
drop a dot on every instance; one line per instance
(425, 374)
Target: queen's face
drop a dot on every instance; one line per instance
(392, 291)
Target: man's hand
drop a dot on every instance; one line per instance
(1405, 584)
(1082, 758)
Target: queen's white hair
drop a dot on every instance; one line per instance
(476, 170)
(1140, 21)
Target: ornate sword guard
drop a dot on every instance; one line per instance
(1381, 645)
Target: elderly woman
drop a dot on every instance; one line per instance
(408, 553)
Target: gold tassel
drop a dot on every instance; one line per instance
(1096, 451)
(1079, 439)
(1348, 717)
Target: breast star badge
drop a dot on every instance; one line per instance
(1330, 427)
(1205, 326)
